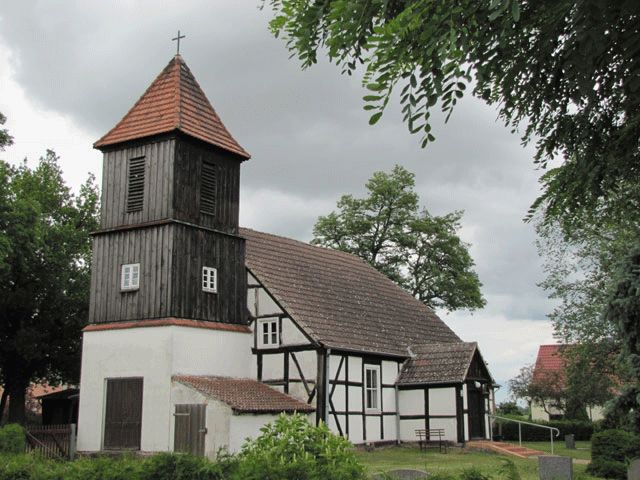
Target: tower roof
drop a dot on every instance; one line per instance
(174, 101)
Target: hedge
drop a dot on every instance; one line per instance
(12, 439)
(582, 430)
(611, 451)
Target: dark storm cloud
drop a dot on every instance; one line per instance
(306, 130)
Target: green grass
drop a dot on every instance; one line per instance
(385, 459)
(582, 451)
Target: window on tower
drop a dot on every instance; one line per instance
(135, 184)
(208, 188)
(130, 277)
(209, 279)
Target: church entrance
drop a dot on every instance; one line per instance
(190, 429)
(476, 411)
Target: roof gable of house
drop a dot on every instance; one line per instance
(550, 364)
(339, 300)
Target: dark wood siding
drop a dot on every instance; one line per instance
(197, 248)
(123, 413)
(158, 184)
(187, 195)
(153, 249)
(190, 429)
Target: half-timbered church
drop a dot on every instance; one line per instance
(200, 331)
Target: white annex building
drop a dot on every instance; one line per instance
(200, 332)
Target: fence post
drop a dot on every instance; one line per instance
(72, 441)
(520, 434)
(551, 436)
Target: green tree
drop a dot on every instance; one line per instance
(5, 138)
(568, 72)
(44, 276)
(623, 310)
(421, 252)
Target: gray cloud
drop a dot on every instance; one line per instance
(306, 130)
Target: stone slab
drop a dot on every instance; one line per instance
(633, 472)
(402, 474)
(570, 441)
(555, 468)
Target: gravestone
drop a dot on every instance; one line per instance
(401, 474)
(555, 468)
(633, 473)
(570, 441)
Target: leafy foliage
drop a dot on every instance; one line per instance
(45, 261)
(580, 429)
(610, 452)
(509, 408)
(291, 448)
(5, 138)
(568, 72)
(419, 251)
(12, 439)
(623, 309)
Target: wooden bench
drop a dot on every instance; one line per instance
(432, 435)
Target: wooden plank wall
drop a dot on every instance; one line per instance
(158, 184)
(188, 171)
(195, 248)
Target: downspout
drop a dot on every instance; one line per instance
(397, 413)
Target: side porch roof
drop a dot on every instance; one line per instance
(244, 395)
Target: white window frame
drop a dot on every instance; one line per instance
(377, 389)
(273, 332)
(127, 283)
(210, 279)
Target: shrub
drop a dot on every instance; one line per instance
(172, 466)
(473, 473)
(102, 468)
(610, 452)
(291, 448)
(12, 439)
(26, 467)
(582, 430)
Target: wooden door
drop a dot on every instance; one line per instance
(476, 412)
(123, 414)
(190, 429)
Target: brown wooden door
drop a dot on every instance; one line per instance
(476, 412)
(123, 414)
(190, 429)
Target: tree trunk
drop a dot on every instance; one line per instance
(3, 403)
(17, 395)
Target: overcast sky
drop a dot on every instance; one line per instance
(70, 70)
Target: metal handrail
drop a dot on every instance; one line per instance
(522, 422)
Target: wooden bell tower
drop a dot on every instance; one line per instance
(168, 247)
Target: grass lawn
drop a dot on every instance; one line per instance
(385, 459)
(582, 451)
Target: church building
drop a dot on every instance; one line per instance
(200, 331)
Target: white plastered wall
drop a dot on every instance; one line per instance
(155, 354)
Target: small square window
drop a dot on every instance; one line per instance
(209, 279)
(268, 333)
(130, 277)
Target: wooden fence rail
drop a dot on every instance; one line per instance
(52, 441)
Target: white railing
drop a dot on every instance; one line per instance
(520, 423)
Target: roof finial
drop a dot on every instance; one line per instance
(178, 40)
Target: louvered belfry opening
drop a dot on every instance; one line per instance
(208, 188)
(135, 190)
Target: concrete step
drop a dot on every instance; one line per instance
(505, 448)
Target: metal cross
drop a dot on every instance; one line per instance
(178, 40)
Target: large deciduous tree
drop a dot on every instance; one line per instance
(44, 276)
(421, 252)
(568, 72)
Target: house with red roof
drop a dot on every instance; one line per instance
(200, 331)
(550, 368)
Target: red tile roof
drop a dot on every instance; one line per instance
(174, 101)
(339, 300)
(550, 362)
(244, 395)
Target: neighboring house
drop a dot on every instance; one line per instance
(200, 332)
(33, 401)
(550, 368)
